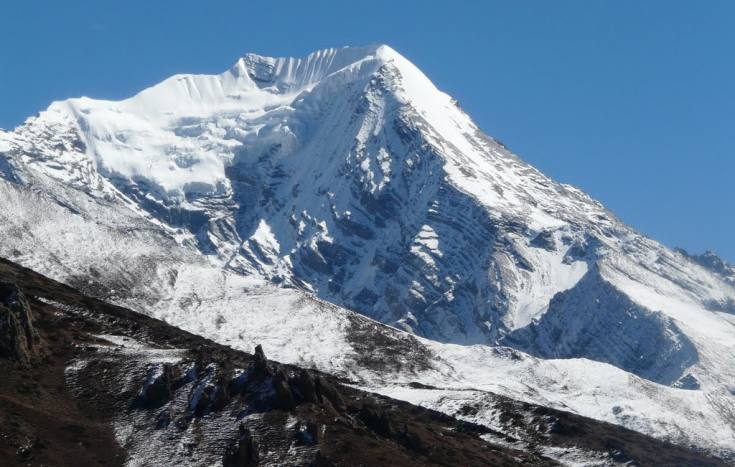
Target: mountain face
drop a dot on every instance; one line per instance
(273, 200)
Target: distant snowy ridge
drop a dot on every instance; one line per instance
(348, 175)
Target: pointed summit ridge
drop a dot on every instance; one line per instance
(299, 73)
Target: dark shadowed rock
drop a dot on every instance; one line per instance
(326, 391)
(310, 433)
(412, 439)
(306, 386)
(221, 394)
(375, 419)
(17, 336)
(202, 403)
(260, 363)
(163, 420)
(647, 343)
(283, 396)
(688, 381)
(243, 452)
(157, 388)
(545, 240)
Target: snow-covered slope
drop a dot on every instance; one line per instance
(348, 175)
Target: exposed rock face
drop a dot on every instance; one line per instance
(260, 363)
(378, 420)
(157, 388)
(284, 396)
(326, 391)
(712, 262)
(242, 453)
(594, 317)
(306, 386)
(545, 240)
(223, 385)
(17, 336)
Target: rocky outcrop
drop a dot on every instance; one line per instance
(158, 386)
(376, 419)
(545, 240)
(283, 393)
(243, 452)
(292, 390)
(325, 391)
(306, 386)
(17, 336)
(260, 363)
(222, 393)
(710, 261)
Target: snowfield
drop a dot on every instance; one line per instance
(301, 202)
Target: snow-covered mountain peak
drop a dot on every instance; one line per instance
(289, 73)
(253, 83)
(176, 139)
(348, 175)
(257, 83)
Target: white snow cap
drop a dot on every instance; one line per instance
(153, 136)
(299, 73)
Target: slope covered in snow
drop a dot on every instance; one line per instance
(348, 175)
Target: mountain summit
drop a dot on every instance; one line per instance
(347, 177)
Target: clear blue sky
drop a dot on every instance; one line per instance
(633, 101)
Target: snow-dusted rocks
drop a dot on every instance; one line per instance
(349, 176)
(596, 321)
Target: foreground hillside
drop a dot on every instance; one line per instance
(88, 383)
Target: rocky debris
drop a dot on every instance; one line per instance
(243, 452)
(301, 388)
(379, 420)
(17, 336)
(215, 385)
(290, 390)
